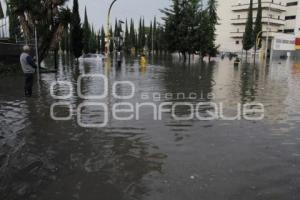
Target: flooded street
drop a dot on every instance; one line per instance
(45, 159)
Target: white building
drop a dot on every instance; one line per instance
(277, 16)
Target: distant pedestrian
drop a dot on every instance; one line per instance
(119, 59)
(143, 61)
(28, 67)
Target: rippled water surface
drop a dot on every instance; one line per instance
(44, 159)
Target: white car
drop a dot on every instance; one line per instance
(92, 57)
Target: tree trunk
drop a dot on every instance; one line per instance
(184, 56)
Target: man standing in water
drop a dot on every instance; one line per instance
(28, 67)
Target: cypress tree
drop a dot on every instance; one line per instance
(102, 40)
(143, 35)
(67, 40)
(93, 41)
(76, 31)
(132, 35)
(86, 33)
(211, 32)
(116, 30)
(155, 34)
(127, 38)
(248, 39)
(98, 39)
(1, 11)
(111, 46)
(140, 32)
(149, 39)
(258, 25)
(63, 42)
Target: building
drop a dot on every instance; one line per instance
(291, 16)
(278, 16)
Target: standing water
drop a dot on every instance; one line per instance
(150, 157)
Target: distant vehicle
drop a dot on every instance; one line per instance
(91, 58)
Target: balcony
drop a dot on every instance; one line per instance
(241, 34)
(236, 34)
(273, 21)
(265, 6)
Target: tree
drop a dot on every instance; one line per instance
(248, 39)
(1, 11)
(258, 25)
(64, 44)
(180, 26)
(111, 45)
(102, 39)
(201, 35)
(149, 38)
(127, 38)
(93, 41)
(143, 35)
(154, 34)
(14, 24)
(98, 39)
(86, 34)
(212, 49)
(76, 31)
(50, 18)
(132, 35)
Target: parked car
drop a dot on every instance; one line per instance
(92, 57)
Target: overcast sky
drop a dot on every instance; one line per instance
(97, 9)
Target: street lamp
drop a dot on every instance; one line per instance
(257, 42)
(108, 36)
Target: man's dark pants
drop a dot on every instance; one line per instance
(28, 85)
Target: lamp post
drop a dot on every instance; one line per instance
(108, 36)
(257, 41)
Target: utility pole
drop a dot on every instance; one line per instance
(108, 36)
(257, 41)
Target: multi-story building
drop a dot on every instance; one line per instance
(277, 16)
(291, 16)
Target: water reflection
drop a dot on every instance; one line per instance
(146, 159)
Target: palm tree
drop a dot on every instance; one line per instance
(50, 17)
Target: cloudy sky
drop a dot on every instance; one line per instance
(97, 9)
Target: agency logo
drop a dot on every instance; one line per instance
(125, 110)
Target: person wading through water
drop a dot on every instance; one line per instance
(28, 67)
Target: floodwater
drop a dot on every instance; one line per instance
(45, 159)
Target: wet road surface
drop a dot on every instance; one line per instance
(44, 159)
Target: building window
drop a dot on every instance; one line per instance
(239, 16)
(290, 17)
(237, 42)
(289, 31)
(292, 3)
